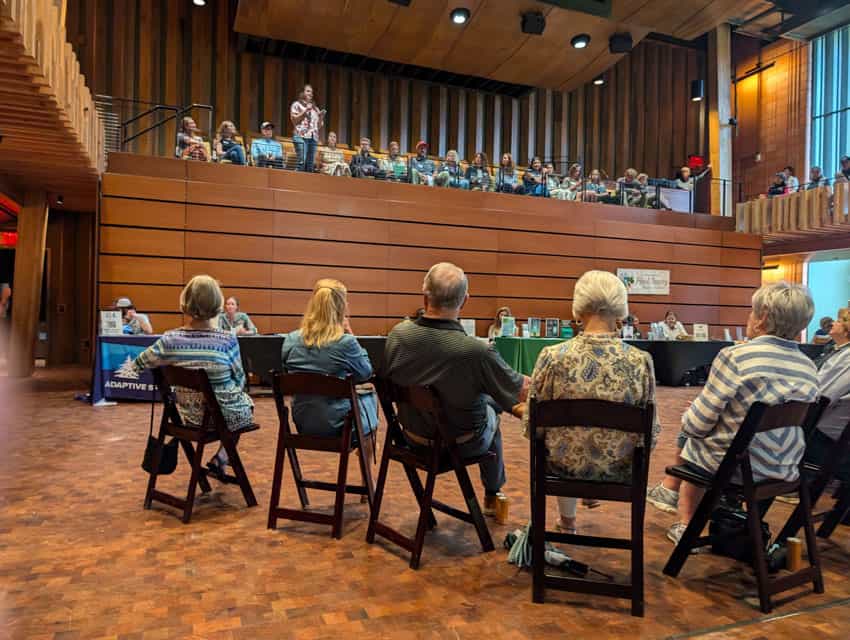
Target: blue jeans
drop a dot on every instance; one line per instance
(490, 439)
(305, 153)
(235, 154)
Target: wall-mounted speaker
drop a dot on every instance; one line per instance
(620, 43)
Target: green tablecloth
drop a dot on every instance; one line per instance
(521, 353)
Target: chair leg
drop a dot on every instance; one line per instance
(836, 514)
(692, 533)
(299, 479)
(160, 442)
(193, 481)
(422, 524)
(757, 541)
(364, 451)
(419, 492)
(638, 510)
(379, 493)
(339, 503)
(796, 519)
(277, 480)
(190, 456)
(239, 470)
(538, 543)
(474, 508)
(811, 539)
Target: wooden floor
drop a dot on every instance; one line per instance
(80, 558)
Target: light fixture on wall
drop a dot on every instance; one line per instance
(199, 3)
(460, 15)
(580, 41)
(697, 90)
(599, 81)
(769, 267)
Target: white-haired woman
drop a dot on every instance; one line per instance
(769, 368)
(594, 365)
(324, 344)
(201, 345)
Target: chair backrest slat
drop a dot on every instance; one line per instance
(422, 398)
(590, 413)
(780, 416)
(195, 380)
(319, 384)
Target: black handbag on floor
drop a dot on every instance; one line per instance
(168, 459)
(729, 524)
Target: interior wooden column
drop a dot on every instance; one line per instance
(26, 289)
(719, 112)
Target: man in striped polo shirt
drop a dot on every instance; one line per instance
(769, 368)
(472, 380)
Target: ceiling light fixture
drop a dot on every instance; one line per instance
(697, 90)
(199, 3)
(580, 41)
(599, 81)
(460, 15)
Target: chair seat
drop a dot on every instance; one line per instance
(703, 479)
(421, 457)
(551, 477)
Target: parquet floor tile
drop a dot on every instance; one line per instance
(80, 558)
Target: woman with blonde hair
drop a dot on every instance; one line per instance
(199, 344)
(225, 144)
(190, 144)
(324, 344)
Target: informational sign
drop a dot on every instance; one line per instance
(111, 323)
(120, 378)
(646, 282)
(468, 325)
(700, 332)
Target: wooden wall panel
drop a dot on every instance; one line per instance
(188, 54)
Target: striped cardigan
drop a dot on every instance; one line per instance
(766, 369)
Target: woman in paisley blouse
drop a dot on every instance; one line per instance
(333, 160)
(594, 365)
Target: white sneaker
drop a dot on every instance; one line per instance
(675, 533)
(663, 498)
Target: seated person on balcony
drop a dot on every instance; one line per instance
(769, 368)
(569, 187)
(478, 173)
(364, 164)
(816, 179)
(332, 160)
(791, 182)
(422, 168)
(394, 166)
(684, 179)
(507, 180)
(451, 173)
(778, 187)
(266, 151)
(234, 321)
(473, 382)
(594, 188)
(631, 189)
(135, 323)
(844, 172)
(225, 144)
(190, 144)
(649, 199)
(534, 179)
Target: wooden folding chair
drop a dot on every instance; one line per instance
(213, 428)
(761, 418)
(440, 457)
(288, 442)
(543, 415)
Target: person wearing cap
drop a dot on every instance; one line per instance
(266, 151)
(332, 159)
(364, 164)
(307, 119)
(135, 323)
(422, 168)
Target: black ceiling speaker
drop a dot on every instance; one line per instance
(620, 43)
(533, 22)
(403, 3)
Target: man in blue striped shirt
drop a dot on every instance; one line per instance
(769, 368)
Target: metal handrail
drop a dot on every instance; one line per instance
(177, 113)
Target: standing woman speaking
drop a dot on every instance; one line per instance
(307, 119)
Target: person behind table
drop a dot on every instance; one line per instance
(307, 119)
(507, 180)
(634, 322)
(495, 330)
(332, 161)
(470, 377)
(135, 323)
(266, 151)
(324, 344)
(236, 322)
(740, 376)
(199, 344)
(394, 166)
(422, 168)
(671, 328)
(190, 144)
(451, 173)
(364, 164)
(534, 179)
(225, 144)
(478, 173)
(611, 370)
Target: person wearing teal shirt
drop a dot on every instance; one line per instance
(266, 151)
(235, 321)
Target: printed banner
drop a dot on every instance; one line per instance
(646, 282)
(120, 379)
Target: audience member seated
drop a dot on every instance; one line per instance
(332, 160)
(472, 380)
(834, 383)
(234, 321)
(649, 199)
(394, 166)
(685, 180)
(190, 144)
(553, 180)
(816, 179)
(570, 187)
(225, 144)
(135, 323)
(451, 173)
(824, 333)
(478, 173)
(200, 345)
(778, 187)
(534, 179)
(307, 119)
(324, 344)
(507, 180)
(844, 172)
(266, 151)
(608, 369)
(630, 189)
(769, 368)
(792, 185)
(495, 329)
(671, 328)
(422, 168)
(364, 164)
(594, 189)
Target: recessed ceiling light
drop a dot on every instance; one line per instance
(580, 41)
(460, 15)
(599, 81)
(199, 3)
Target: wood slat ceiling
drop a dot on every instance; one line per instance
(490, 44)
